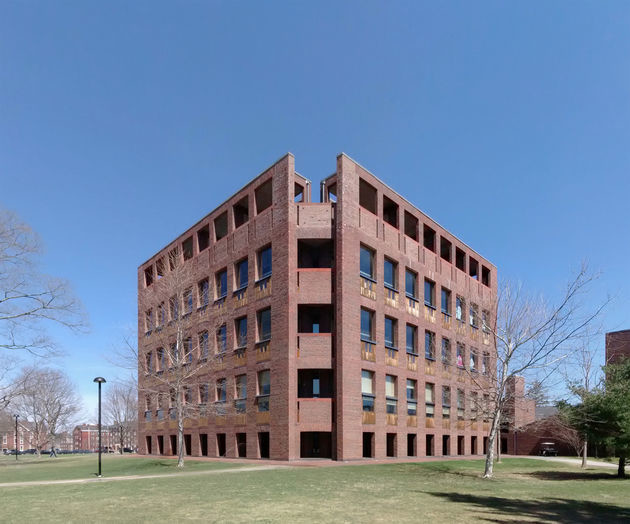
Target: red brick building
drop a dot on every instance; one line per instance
(25, 436)
(617, 346)
(85, 437)
(355, 324)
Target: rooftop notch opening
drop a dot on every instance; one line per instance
(240, 210)
(367, 196)
(203, 238)
(429, 238)
(390, 212)
(460, 259)
(411, 226)
(485, 276)
(187, 248)
(148, 276)
(473, 268)
(446, 249)
(332, 192)
(298, 192)
(315, 253)
(221, 226)
(263, 196)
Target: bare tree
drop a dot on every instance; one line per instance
(48, 401)
(172, 358)
(532, 336)
(582, 377)
(29, 299)
(121, 411)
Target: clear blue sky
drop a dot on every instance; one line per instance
(123, 123)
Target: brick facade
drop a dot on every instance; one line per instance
(317, 351)
(617, 346)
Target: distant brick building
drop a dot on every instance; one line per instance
(617, 346)
(360, 343)
(25, 438)
(85, 437)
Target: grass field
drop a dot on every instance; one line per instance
(524, 490)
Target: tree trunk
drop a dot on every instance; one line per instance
(621, 471)
(584, 453)
(180, 434)
(491, 440)
(122, 440)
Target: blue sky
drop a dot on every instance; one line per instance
(123, 123)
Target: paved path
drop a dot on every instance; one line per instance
(137, 477)
(578, 462)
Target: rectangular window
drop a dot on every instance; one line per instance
(412, 397)
(149, 362)
(411, 284)
(264, 390)
(461, 354)
(221, 284)
(367, 389)
(446, 351)
(429, 345)
(429, 293)
(264, 263)
(367, 263)
(221, 226)
(473, 359)
(188, 301)
(473, 405)
(446, 249)
(459, 308)
(461, 404)
(446, 402)
(173, 304)
(411, 226)
(148, 276)
(221, 390)
(390, 394)
(485, 276)
(429, 399)
(474, 313)
(485, 363)
(429, 238)
(161, 314)
(485, 321)
(203, 345)
(204, 394)
(161, 358)
(222, 339)
(390, 270)
(473, 268)
(188, 395)
(241, 394)
(367, 325)
(391, 326)
(412, 339)
(148, 320)
(203, 288)
(446, 301)
(240, 325)
(188, 349)
(264, 324)
(241, 274)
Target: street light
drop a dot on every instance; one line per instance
(16, 436)
(99, 380)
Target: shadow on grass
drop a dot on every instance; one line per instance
(499, 509)
(573, 475)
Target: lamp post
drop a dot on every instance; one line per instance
(99, 380)
(16, 436)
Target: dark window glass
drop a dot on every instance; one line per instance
(222, 283)
(366, 324)
(264, 327)
(367, 262)
(410, 283)
(264, 263)
(411, 339)
(241, 274)
(389, 270)
(446, 301)
(241, 332)
(429, 345)
(390, 332)
(429, 293)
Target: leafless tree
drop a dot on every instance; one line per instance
(532, 336)
(29, 299)
(582, 376)
(121, 411)
(172, 358)
(48, 401)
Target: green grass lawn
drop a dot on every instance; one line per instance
(524, 490)
(29, 467)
